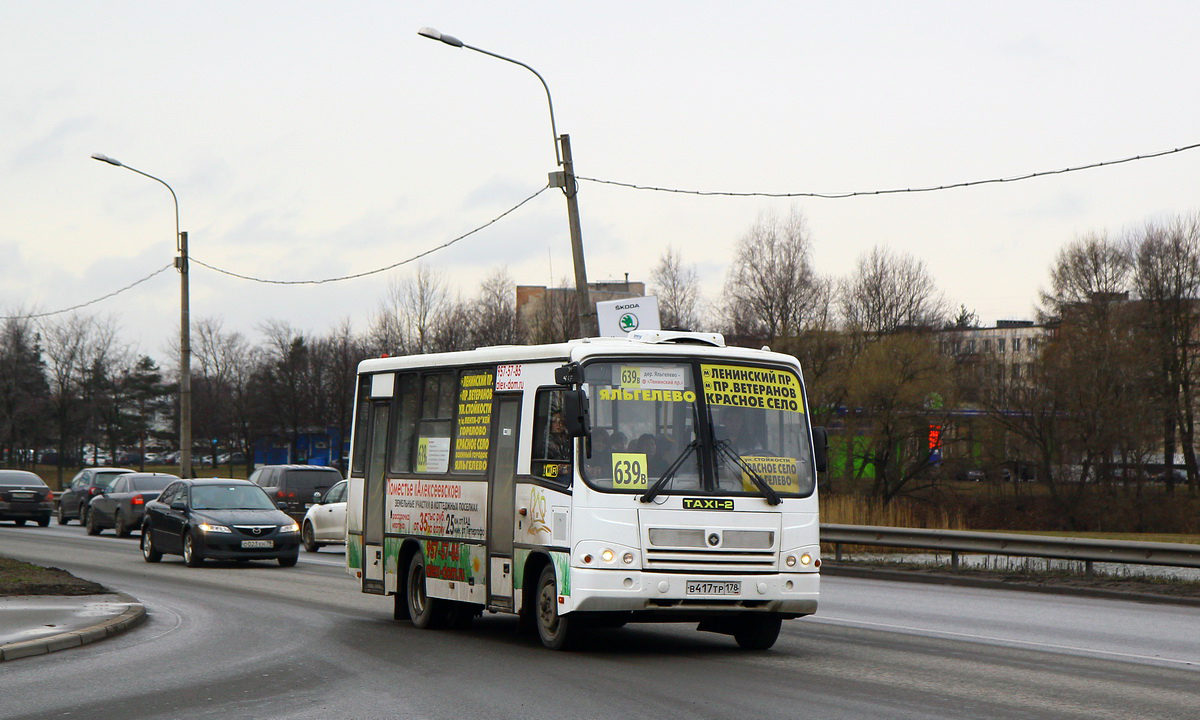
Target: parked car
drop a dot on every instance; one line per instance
(73, 502)
(25, 496)
(325, 522)
(221, 519)
(296, 485)
(121, 505)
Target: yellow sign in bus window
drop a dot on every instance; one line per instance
(751, 387)
(779, 473)
(629, 471)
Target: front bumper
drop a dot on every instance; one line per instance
(593, 590)
(228, 546)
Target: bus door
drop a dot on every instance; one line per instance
(375, 492)
(502, 500)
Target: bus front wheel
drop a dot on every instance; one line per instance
(424, 611)
(758, 632)
(555, 630)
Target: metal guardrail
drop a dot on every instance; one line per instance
(959, 541)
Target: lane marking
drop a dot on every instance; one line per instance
(970, 636)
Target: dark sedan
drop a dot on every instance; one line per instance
(121, 505)
(219, 519)
(24, 496)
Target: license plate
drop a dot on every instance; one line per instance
(707, 587)
(257, 544)
(24, 497)
(307, 505)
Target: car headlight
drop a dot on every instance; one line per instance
(289, 528)
(208, 527)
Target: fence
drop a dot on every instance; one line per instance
(959, 541)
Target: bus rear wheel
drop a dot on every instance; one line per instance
(555, 630)
(424, 611)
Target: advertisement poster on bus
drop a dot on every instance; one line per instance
(439, 508)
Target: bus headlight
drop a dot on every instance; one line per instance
(608, 555)
(627, 558)
(806, 559)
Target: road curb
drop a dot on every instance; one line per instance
(1004, 584)
(133, 616)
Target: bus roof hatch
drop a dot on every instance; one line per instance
(678, 337)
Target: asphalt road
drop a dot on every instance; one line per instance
(260, 641)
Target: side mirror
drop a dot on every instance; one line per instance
(317, 496)
(281, 505)
(576, 414)
(820, 449)
(179, 505)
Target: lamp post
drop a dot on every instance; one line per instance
(564, 179)
(185, 343)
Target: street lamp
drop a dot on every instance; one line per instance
(185, 343)
(564, 179)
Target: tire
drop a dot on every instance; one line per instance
(192, 555)
(400, 606)
(44, 521)
(306, 536)
(289, 560)
(61, 515)
(556, 631)
(424, 611)
(83, 514)
(150, 554)
(119, 526)
(92, 525)
(758, 632)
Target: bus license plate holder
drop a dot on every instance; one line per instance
(257, 544)
(709, 588)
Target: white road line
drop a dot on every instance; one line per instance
(990, 638)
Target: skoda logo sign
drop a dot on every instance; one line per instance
(628, 322)
(714, 539)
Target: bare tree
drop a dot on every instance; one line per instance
(1166, 276)
(1089, 273)
(553, 317)
(889, 291)
(408, 315)
(494, 312)
(678, 290)
(771, 287)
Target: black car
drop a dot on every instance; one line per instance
(297, 485)
(73, 501)
(121, 505)
(221, 519)
(24, 496)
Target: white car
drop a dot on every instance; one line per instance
(325, 522)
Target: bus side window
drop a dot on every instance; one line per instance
(552, 444)
(405, 424)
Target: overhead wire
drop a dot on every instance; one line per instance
(892, 191)
(287, 282)
(632, 186)
(34, 316)
(414, 258)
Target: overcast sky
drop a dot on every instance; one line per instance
(308, 140)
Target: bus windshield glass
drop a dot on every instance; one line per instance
(745, 425)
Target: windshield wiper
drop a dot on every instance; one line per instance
(669, 473)
(722, 447)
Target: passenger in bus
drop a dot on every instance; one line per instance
(648, 444)
(619, 442)
(599, 465)
(742, 439)
(558, 442)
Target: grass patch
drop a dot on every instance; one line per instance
(22, 578)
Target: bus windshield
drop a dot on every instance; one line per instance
(726, 428)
